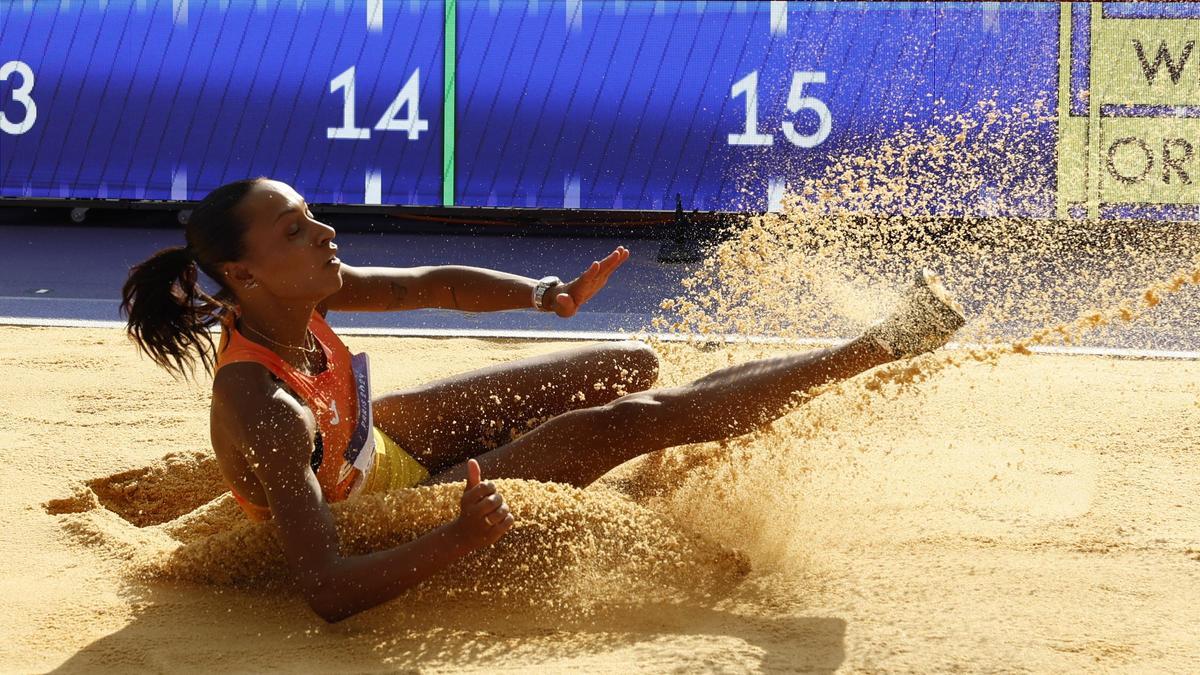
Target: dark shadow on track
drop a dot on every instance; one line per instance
(177, 626)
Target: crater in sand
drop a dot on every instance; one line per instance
(177, 484)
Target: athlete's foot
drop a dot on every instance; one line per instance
(925, 319)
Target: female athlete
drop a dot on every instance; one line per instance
(294, 427)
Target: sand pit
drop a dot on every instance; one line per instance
(1027, 512)
(989, 508)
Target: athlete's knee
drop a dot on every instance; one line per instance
(637, 417)
(639, 364)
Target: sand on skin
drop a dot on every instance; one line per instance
(1036, 513)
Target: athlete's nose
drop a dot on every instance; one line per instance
(327, 235)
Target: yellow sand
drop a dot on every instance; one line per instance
(1031, 512)
(988, 509)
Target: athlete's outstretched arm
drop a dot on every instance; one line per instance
(277, 438)
(469, 289)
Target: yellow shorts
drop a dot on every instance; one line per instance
(394, 468)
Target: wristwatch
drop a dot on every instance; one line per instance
(539, 292)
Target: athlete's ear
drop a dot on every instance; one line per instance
(237, 275)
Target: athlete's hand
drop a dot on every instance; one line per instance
(483, 516)
(569, 297)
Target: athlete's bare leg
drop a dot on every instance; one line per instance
(443, 423)
(580, 446)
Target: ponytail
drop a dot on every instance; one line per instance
(168, 314)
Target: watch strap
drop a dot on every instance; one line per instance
(539, 291)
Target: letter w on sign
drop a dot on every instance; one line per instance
(1174, 68)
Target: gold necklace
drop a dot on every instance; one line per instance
(307, 334)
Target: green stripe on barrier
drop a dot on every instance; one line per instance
(449, 48)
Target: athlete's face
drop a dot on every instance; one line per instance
(287, 251)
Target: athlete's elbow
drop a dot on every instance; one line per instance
(330, 606)
(327, 597)
(330, 614)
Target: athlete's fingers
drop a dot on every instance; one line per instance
(484, 506)
(496, 517)
(620, 261)
(615, 258)
(473, 473)
(497, 530)
(481, 491)
(608, 264)
(476, 495)
(500, 528)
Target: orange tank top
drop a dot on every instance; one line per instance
(344, 445)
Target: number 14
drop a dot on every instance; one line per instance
(409, 99)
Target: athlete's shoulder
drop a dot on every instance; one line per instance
(256, 417)
(247, 394)
(243, 379)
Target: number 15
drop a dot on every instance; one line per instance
(796, 102)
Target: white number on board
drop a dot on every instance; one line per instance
(345, 82)
(796, 102)
(19, 95)
(748, 85)
(408, 99)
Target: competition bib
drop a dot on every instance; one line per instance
(360, 452)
